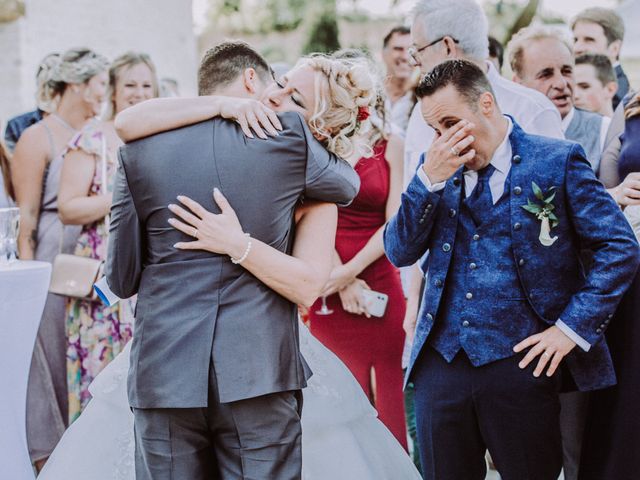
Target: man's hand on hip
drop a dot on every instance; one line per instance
(552, 346)
(447, 153)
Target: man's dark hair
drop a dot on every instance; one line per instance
(602, 65)
(496, 50)
(465, 76)
(400, 30)
(222, 64)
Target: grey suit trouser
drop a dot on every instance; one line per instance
(254, 439)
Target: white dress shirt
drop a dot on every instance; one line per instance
(604, 126)
(397, 113)
(501, 161)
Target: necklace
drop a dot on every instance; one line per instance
(62, 122)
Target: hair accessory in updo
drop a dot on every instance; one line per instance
(363, 113)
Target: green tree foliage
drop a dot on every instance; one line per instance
(323, 37)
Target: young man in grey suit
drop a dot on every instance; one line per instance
(216, 371)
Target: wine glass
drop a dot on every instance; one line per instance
(9, 224)
(324, 310)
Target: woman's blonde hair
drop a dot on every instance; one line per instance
(5, 172)
(379, 128)
(633, 107)
(119, 65)
(77, 65)
(343, 88)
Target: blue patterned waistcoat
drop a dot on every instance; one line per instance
(484, 310)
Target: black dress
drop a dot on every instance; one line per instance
(611, 449)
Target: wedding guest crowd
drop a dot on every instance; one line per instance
(58, 164)
(543, 60)
(601, 30)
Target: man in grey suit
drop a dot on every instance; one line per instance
(216, 371)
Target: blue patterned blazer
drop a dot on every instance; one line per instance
(555, 280)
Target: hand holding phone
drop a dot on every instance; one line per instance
(375, 302)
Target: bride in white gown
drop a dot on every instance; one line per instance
(342, 437)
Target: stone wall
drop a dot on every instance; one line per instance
(162, 28)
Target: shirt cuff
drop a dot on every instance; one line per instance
(432, 187)
(581, 342)
(104, 292)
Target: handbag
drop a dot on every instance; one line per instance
(74, 275)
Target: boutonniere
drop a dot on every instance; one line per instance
(544, 213)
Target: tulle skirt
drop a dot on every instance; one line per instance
(342, 437)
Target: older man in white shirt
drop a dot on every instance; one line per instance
(449, 29)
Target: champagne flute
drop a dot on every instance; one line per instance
(324, 310)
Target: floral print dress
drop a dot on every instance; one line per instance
(96, 334)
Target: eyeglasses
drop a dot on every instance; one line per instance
(413, 51)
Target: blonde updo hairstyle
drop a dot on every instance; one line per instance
(378, 127)
(119, 65)
(342, 87)
(47, 65)
(75, 66)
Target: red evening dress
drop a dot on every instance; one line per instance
(365, 343)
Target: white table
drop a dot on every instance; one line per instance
(23, 292)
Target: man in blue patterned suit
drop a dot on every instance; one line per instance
(507, 297)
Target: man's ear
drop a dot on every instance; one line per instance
(452, 48)
(487, 104)
(611, 88)
(249, 80)
(614, 49)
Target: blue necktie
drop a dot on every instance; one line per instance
(480, 201)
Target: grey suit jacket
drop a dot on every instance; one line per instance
(196, 309)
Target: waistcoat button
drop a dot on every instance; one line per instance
(517, 159)
(446, 247)
(469, 295)
(517, 226)
(473, 266)
(465, 323)
(521, 262)
(517, 190)
(429, 317)
(452, 213)
(438, 283)
(476, 237)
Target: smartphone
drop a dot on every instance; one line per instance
(376, 302)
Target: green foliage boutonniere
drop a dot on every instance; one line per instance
(544, 213)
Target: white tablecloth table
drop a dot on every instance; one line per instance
(23, 292)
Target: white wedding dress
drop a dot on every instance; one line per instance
(342, 438)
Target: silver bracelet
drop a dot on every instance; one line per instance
(244, 255)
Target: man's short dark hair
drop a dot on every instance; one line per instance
(465, 76)
(400, 30)
(602, 65)
(496, 50)
(222, 64)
